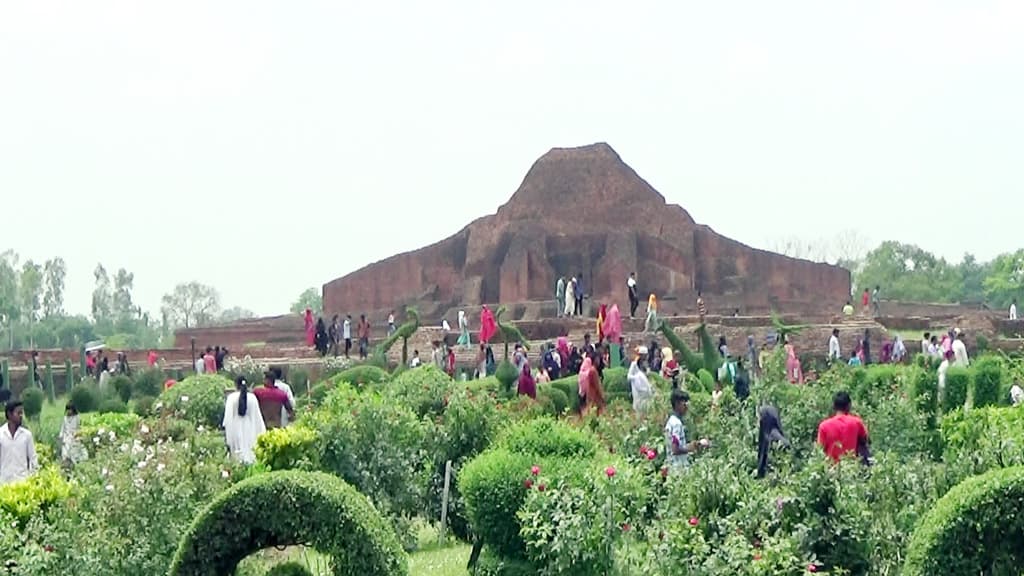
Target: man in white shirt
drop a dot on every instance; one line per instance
(200, 364)
(1013, 309)
(634, 296)
(833, 346)
(346, 333)
(677, 449)
(280, 383)
(960, 351)
(18, 458)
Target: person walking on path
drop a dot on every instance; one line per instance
(578, 294)
(634, 297)
(560, 296)
(570, 298)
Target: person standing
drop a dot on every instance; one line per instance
(309, 327)
(560, 296)
(676, 446)
(578, 294)
(651, 323)
(346, 334)
(391, 323)
(864, 299)
(833, 346)
(570, 299)
(463, 341)
(943, 368)
(280, 383)
(364, 336)
(210, 361)
(71, 450)
(843, 433)
(18, 459)
(875, 308)
(770, 424)
(960, 351)
(1013, 309)
(200, 364)
(333, 334)
(243, 422)
(272, 400)
(634, 297)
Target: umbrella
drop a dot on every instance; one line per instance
(94, 346)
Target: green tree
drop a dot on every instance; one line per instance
(1006, 279)
(122, 306)
(908, 272)
(972, 279)
(102, 295)
(191, 304)
(235, 313)
(310, 299)
(31, 296)
(54, 273)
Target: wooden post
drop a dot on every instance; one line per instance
(444, 502)
(49, 380)
(69, 376)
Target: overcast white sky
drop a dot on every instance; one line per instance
(264, 147)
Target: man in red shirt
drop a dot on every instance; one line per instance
(843, 433)
(272, 399)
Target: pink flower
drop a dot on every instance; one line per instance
(651, 454)
(643, 450)
(535, 470)
(757, 557)
(541, 487)
(694, 521)
(812, 568)
(528, 483)
(625, 527)
(610, 471)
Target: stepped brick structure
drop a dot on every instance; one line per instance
(583, 210)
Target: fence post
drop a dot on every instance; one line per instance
(81, 363)
(444, 502)
(49, 380)
(69, 376)
(5, 370)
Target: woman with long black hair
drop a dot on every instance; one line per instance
(243, 422)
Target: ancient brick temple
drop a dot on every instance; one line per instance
(584, 210)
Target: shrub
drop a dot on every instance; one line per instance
(97, 429)
(571, 388)
(423, 390)
(85, 396)
(199, 399)
(149, 382)
(615, 382)
(707, 381)
(984, 438)
(493, 487)
(122, 386)
(490, 564)
(362, 374)
(33, 399)
(507, 375)
(547, 437)
(289, 569)
(115, 405)
(559, 401)
(21, 500)
(988, 381)
(311, 507)
(144, 405)
(976, 528)
(298, 378)
(925, 390)
(958, 380)
(294, 447)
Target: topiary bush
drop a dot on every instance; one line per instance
(122, 386)
(144, 405)
(988, 381)
(556, 397)
(362, 374)
(311, 508)
(983, 438)
(958, 381)
(571, 388)
(424, 390)
(707, 381)
(112, 405)
(23, 499)
(925, 390)
(289, 569)
(494, 487)
(85, 396)
(294, 447)
(507, 375)
(199, 399)
(149, 382)
(33, 399)
(976, 528)
(545, 437)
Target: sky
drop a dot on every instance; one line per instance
(266, 147)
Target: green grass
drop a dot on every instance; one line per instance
(447, 561)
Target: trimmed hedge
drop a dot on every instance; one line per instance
(984, 438)
(198, 399)
(976, 528)
(493, 485)
(362, 374)
(547, 437)
(958, 381)
(988, 381)
(306, 508)
(289, 569)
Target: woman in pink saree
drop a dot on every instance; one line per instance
(488, 326)
(310, 330)
(613, 332)
(793, 370)
(563, 353)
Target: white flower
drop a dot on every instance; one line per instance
(101, 431)
(224, 474)
(109, 488)
(124, 447)
(201, 429)
(184, 398)
(158, 405)
(104, 472)
(144, 429)
(160, 467)
(142, 464)
(138, 482)
(112, 436)
(96, 440)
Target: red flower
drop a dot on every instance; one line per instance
(610, 471)
(812, 568)
(625, 527)
(651, 454)
(694, 521)
(535, 470)
(643, 450)
(48, 548)
(541, 487)
(664, 471)
(757, 557)
(528, 483)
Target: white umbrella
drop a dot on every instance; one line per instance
(95, 345)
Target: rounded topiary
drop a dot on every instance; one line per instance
(32, 398)
(976, 528)
(85, 396)
(363, 374)
(289, 569)
(507, 375)
(144, 405)
(548, 437)
(707, 381)
(149, 383)
(312, 508)
(122, 386)
(199, 399)
(112, 405)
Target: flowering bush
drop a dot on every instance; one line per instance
(99, 430)
(199, 399)
(247, 367)
(423, 390)
(289, 448)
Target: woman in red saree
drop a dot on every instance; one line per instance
(590, 390)
(527, 385)
(310, 330)
(488, 327)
